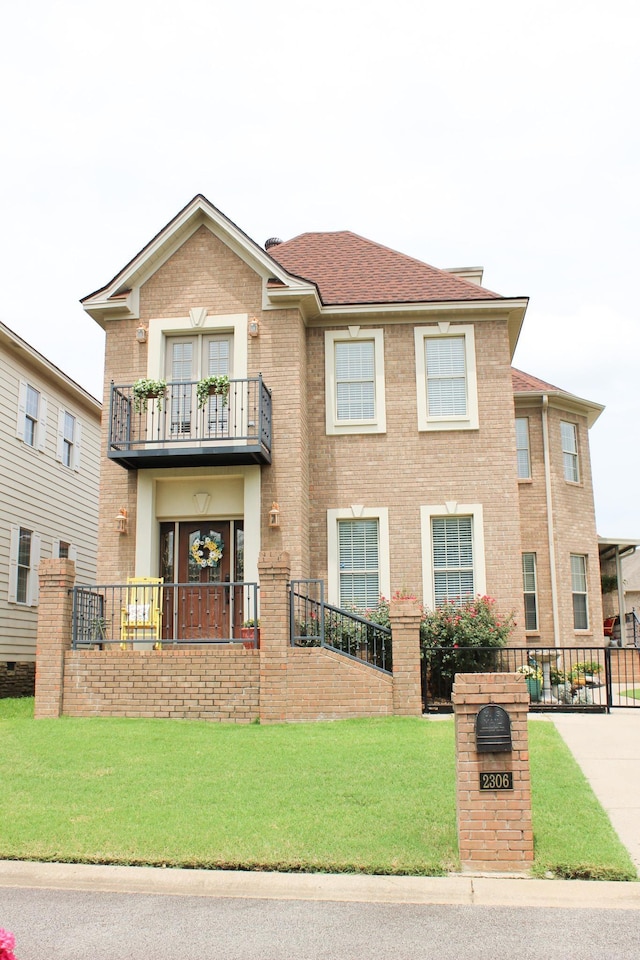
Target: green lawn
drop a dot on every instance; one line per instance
(635, 693)
(374, 796)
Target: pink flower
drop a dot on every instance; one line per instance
(7, 943)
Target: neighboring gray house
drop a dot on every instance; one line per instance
(49, 472)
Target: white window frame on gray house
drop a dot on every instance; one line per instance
(69, 440)
(523, 452)
(31, 426)
(24, 558)
(569, 438)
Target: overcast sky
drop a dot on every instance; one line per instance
(497, 134)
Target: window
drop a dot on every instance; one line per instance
(522, 448)
(569, 435)
(32, 416)
(68, 449)
(446, 377)
(452, 552)
(452, 541)
(187, 360)
(530, 589)
(579, 591)
(354, 381)
(358, 555)
(23, 561)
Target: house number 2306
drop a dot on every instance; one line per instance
(496, 781)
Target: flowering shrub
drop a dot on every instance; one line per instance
(7, 943)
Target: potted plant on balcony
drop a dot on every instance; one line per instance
(249, 631)
(212, 387)
(145, 390)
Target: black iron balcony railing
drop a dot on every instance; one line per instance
(175, 429)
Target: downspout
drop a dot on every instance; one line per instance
(550, 530)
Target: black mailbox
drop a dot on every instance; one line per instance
(493, 730)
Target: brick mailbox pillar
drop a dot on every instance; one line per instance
(493, 785)
(274, 568)
(55, 603)
(405, 616)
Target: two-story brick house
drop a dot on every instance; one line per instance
(374, 429)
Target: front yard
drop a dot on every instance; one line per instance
(371, 796)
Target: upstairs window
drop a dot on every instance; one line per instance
(569, 435)
(530, 589)
(579, 591)
(32, 416)
(354, 381)
(68, 448)
(522, 448)
(446, 377)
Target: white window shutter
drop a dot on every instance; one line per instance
(55, 549)
(73, 552)
(22, 409)
(60, 437)
(34, 580)
(77, 442)
(42, 424)
(13, 563)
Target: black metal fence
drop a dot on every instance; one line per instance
(177, 418)
(147, 613)
(557, 678)
(315, 623)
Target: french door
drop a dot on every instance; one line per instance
(187, 360)
(207, 556)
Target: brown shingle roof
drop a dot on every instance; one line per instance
(526, 383)
(348, 269)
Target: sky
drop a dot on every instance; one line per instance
(497, 134)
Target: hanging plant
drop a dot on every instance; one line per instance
(212, 387)
(145, 390)
(207, 551)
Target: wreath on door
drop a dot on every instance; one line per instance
(207, 551)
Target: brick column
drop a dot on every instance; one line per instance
(55, 603)
(274, 568)
(494, 826)
(405, 616)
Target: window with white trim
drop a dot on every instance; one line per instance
(446, 379)
(453, 563)
(522, 448)
(359, 561)
(569, 435)
(69, 433)
(64, 550)
(452, 540)
(24, 558)
(358, 555)
(32, 416)
(530, 591)
(354, 381)
(579, 591)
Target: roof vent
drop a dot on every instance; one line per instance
(272, 242)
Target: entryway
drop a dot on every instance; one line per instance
(207, 601)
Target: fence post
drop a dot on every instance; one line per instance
(405, 616)
(55, 603)
(274, 569)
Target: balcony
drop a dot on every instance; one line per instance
(175, 431)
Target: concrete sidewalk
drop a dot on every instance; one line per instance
(607, 748)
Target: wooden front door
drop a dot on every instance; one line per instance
(204, 613)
